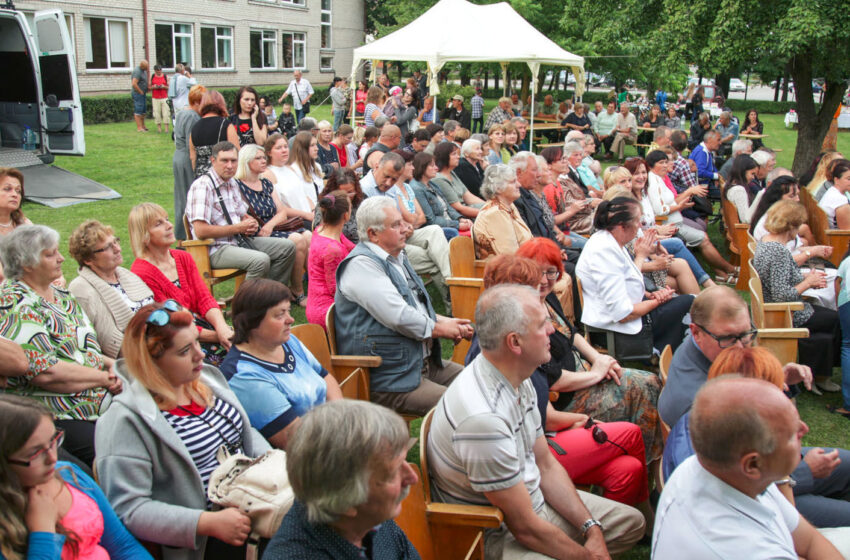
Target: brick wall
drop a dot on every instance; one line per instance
(241, 15)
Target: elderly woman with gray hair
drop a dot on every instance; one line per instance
(472, 164)
(499, 228)
(581, 222)
(333, 514)
(109, 293)
(67, 370)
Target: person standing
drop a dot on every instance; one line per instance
(340, 96)
(159, 95)
(301, 92)
(138, 91)
(182, 84)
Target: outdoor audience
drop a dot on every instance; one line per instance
(328, 247)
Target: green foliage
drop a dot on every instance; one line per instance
(763, 107)
(119, 108)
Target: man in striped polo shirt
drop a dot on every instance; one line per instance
(486, 445)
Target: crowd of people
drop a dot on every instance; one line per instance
(136, 375)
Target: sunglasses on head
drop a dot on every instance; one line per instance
(161, 317)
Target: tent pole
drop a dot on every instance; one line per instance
(531, 110)
(504, 66)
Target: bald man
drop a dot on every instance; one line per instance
(388, 141)
(724, 501)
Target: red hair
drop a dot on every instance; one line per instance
(511, 269)
(544, 251)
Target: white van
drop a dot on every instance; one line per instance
(39, 89)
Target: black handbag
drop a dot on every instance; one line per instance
(634, 347)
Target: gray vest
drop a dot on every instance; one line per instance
(358, 333)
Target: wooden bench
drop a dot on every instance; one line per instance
(462, 258)
(199, 250)
(838, 239)
(736, 236)
(464, 293)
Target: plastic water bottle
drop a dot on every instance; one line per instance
(28, 139)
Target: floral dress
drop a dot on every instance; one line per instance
(50, 333)
(262, 204)
(634, 400)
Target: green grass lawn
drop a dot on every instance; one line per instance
(138, 166)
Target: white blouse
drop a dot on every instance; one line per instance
(294, 190)
(611, 284)
(662, 198)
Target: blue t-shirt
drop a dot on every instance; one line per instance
(843, 273)
(274, 395)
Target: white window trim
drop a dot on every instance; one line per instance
(301, 3)
(263, 40)
(282, 58)
(231, 37)
(190, 35)
(329, 25)
(109, 70)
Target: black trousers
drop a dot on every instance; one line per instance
(79, 439)
(822, 349)
(667, 327)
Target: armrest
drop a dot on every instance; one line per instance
(356, 361)
(455, 514)
(783, 333)
(783, 305)
(195, 243)
(465, 282)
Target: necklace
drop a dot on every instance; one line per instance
(7, 224)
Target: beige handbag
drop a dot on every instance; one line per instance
(258, 487)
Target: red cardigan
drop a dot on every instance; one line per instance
(193, 293)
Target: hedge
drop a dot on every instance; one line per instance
(119, 108)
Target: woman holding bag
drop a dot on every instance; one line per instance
(157, 447)
(265, 205)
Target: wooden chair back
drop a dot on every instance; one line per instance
(776, 315)
(664, 363)
(413, 519)
(351, 372)
(730, 218)
(462, 258)
(330, 327)
(756, 303)
(465, 293)
(424, 429)
(838, 239)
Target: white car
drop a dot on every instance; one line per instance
(737, 85)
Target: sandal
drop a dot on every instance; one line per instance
(728, 280)
(300, 300)
(834, 409)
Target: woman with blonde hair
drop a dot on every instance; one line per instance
(616, 175)
(265, 206)
(50, 508)
(815, 178)
(157, 445)
(375, 99)
(782, 280)
(497, 140)
(172, 274)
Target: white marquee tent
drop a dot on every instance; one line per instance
(459, 31)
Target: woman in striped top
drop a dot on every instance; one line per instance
(157, 444)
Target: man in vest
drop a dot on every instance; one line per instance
(383, 309)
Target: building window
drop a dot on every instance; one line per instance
(107, 43)
(327, 62)
(294, 49)
(216, 47)
(263, 49)
(173, 43)
(296, 2)
(326, 24)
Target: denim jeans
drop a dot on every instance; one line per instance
(844, 318)
(450, 233)
(675, 247)
(299, 114)
(339, 118)
(578, 241)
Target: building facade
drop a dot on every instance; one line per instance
(227, 43)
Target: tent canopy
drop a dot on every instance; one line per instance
(459, 31)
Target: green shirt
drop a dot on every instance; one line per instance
(50, 332)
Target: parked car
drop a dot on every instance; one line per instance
(737, 85)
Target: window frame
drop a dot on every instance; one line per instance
(301, 3)
(293, 42)
(326, 25)
(216, 37)
(263, 41)
(128, 23)
(174, 36)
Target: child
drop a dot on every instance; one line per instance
(286, 122)
(271, 117)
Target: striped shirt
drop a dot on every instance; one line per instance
(482, 437)
(204, 430)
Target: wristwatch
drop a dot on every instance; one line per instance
(588, 524)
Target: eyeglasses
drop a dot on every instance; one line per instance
(161, 317)
(729, 340)
(54, 444)
(116, 242)
(552, 274)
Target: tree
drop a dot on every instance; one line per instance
(719, 35)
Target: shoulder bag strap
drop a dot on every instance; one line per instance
(220, 200)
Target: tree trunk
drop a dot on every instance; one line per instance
(464, 74)
(721, 81)
(776, 89)
(486, 79)
(813, 126)
(785, 80)
(400, 65)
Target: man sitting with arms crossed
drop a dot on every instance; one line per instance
(346, 517)
(500, 114)
(382, 309)
(723, 502)
(720, 319)
(486, 445)
(273, 257)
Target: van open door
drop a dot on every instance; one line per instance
(61, 111)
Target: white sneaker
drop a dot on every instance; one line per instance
(828, 386)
